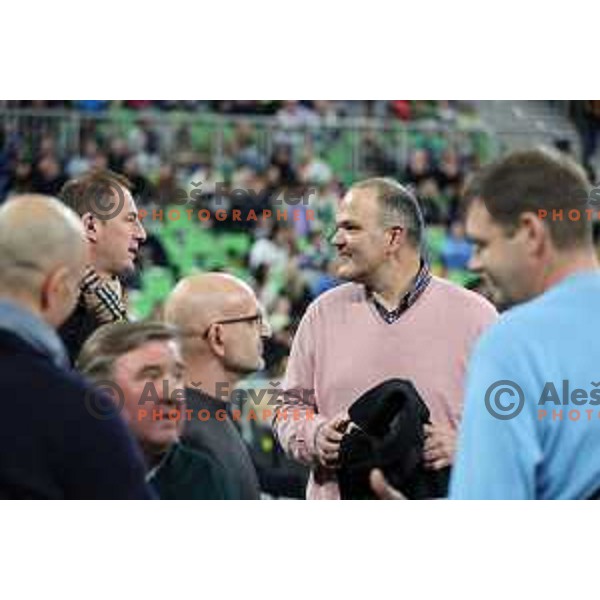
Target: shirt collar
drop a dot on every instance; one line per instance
(33, 330)
(151, 474)
(420, 283)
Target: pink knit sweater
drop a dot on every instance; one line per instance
(343, 348)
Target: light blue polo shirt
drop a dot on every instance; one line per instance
(550, 348)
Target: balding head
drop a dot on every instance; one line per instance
(199, 300)
(42, 254)
(220, 321)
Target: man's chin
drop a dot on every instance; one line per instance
(159, 445)
(346, 272)
(249, 369)
(503, 301)
(127, 269)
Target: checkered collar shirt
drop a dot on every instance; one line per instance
(420, 285)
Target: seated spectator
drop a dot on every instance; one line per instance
(166, 186)
(435, 206)
(48, 177)
(99, 162)
(144, 361)
(294, 119)
(449, 177)
(377, 159)
(243, 147)
(456, 251)
(117, 154)
(418, 168)
(272, 251)
(589, 131)
(81, 163)
(325, 281)
(46, 148)
(314, 170)
(282, 161)
(21, 180)
(141, 188)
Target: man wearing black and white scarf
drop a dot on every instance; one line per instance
(113, 243)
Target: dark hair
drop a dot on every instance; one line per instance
(81, 193)
(110, 342)
(532, 180)
(396, 201)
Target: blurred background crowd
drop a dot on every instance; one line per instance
(312, 149)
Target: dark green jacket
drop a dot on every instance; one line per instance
(188, 474)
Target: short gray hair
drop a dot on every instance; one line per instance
(396, 202)
(108, 343)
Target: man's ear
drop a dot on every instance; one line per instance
(398, 238)
(215, 339)
(50, 287)
(535, 233)
(56, 294)
(47, 291)
(90, 224)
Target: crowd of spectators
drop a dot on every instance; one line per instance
(296, 111)
(288, 263)
(585, 115)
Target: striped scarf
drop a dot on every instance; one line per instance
(104, 298)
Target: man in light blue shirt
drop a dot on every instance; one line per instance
(531, 422)
(549, 448)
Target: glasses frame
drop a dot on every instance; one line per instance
(258, 318)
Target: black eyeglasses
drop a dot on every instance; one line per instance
(257, 318)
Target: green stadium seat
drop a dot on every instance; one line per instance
(157, 282)
(235, 244)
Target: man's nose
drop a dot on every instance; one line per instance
(474, 264)
(175, 386)
(140, 233)
(338, 238)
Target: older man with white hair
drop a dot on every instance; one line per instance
(59, 439)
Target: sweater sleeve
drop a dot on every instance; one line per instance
(296, 419)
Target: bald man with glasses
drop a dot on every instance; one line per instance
(222, 332)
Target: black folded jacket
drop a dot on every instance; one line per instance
(389, 435)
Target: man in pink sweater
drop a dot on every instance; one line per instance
(393, 319)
